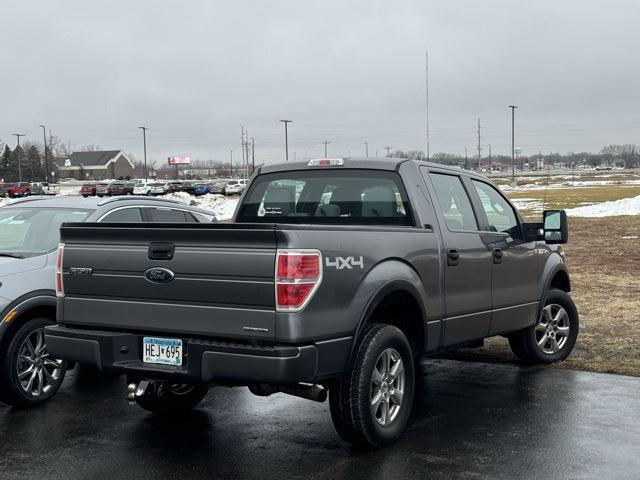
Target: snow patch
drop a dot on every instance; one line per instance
(221, 206)
(624, 206)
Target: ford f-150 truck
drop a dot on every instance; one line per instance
(334, 277)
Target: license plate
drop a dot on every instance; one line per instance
(165, 351)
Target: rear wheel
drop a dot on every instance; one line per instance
(166, 397)
(553, 336)
(29, 375)
(371, 404)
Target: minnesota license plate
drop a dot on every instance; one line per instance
(165, 351)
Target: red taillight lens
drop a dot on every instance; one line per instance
(293, 295)
(298, 274)
(59, 281)
(298, 266)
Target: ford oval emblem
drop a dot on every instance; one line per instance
(159, 275)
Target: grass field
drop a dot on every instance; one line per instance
(603, 256)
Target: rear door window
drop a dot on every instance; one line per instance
(454, 203)
(357, 197)
(125, 215)
(166, 215)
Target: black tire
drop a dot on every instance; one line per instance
(172, 398)
(12, 390)
(350, 398)
(85, 196)
(525, 343)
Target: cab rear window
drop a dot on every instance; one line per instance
(352, 197)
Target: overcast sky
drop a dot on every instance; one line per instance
(344, 71)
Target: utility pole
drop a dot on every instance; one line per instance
(388, 149)
(479, 148)
(46, 158)
(242, 149)
(286, 139)
(513, 148)
(253, 155)
(426, 54)
(231, 161)
(490, 161)
(18, 135)
(325, 148)
(466, 159)
(366, 149)
(144, 142)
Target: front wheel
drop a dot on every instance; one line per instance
(553, 336)
(28, 374)
(371, 404)
(172, 398)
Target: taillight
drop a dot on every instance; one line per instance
(59, 280)
(298, 275)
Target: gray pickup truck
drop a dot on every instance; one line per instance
(333, 278)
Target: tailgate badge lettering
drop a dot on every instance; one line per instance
(159, 275)
(80, 271)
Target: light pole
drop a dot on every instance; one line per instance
(513, 149)
(366, 149)
(286, 138)
(231, 161)
(18, 135)
(253, 155)
(144, 142)
(46, 158)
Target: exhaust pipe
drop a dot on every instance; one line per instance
(316, 393)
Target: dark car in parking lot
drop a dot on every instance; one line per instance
(88, 189)
(187, 187)
(35, 189)
(118, 188)
(29, 234)
(202, 189)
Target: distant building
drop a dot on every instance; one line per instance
(96, 165)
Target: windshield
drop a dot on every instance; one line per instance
(351, 197)
(30, 231)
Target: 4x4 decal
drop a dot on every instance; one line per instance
(340, 263)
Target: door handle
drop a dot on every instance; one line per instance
(161, 251)
(497, 255)
(452, 257)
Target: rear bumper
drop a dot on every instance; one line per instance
(203, 360)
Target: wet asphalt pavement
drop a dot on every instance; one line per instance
(472, 420)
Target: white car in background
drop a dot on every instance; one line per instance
(234, 187)
(143, 188)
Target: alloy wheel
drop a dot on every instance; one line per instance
(387, 387)
(552, 329)
(38, 373)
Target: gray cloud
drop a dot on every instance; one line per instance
(344, 71)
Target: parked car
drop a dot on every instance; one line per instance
(217, 186)
(129, 186)
(3, 189)
(47, 188)
(162, 188)
(20, 189)
(143, 188)
(201, 189)
(103, 189)
(30, 233)
(351, 270)
(118, 188)
(35, 189)
(187, 187)
(233, 187)
(88, 189)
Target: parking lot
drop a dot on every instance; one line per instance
(472, 420)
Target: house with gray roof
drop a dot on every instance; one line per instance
(98, 165)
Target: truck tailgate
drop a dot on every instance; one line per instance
(222, 281)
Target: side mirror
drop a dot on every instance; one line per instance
(555, 226)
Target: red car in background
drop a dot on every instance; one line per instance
(20, 189)
(88, 190)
